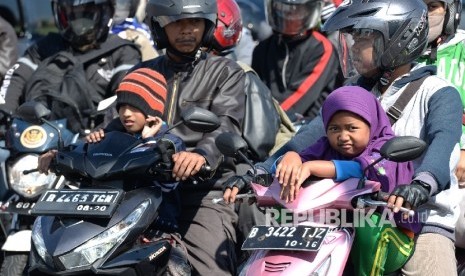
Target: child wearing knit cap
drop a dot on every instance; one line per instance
(140, 102)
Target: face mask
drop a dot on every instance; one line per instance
(436, 23)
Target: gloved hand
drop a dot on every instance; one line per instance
(409, 196)
(238, 183)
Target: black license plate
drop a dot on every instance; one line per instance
(88, 202)
(306, 238)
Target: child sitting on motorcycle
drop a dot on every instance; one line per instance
(140, 101)
(356, 127)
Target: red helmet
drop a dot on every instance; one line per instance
(229, 27)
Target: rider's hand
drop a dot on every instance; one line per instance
(288, 169)
(239, 183)
(234, 185)
(96, 136)
(152, 126)
(460, 171)
(187, 164)
(409, 196)
(45, 160)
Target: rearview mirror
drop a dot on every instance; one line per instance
(230, 144)
(403, 148)
(33, 112)
(200, 120)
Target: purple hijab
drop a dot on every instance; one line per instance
(363, 103)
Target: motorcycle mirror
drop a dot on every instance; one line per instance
(200, 120)
(403, 148)
(397, 149)
(230, 144)
(33, 112)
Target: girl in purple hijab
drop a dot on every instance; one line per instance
(356, 128)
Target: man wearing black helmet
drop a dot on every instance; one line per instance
(196, 78)
(297, 62)
(379, 43)
(83, 28)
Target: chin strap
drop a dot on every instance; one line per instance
(385, 77)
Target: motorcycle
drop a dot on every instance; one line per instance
(22, 185)
(310, 245)
(97, 229)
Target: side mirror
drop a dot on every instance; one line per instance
(230, 144)
(403, 148)
(33, 112)
(200, 120)
(398, 149)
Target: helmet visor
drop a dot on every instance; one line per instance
(358, 52)
(165, 20)
(82, 19)
(293, 19)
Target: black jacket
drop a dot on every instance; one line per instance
(104, 73)
(211, 82)
(8, 44)
(310, 66)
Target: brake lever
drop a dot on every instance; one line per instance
(219, 199)
(362, 202)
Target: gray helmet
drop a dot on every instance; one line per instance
(162, 12)
(452, 17)
(402, 25)
(125, 9)
(83, 22)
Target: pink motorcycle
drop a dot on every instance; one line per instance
(311, 235)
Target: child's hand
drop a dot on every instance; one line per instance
(95, 137)
(45, 160)
(287, 169)
(152, 126)
(290, 192)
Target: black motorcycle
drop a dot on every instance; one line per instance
(21, 185)
(97, 228)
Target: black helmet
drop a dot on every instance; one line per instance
(125, 9)
(401, 28)
(293, 17)
(83, 22)
(162, 12)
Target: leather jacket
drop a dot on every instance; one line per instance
(211, 82)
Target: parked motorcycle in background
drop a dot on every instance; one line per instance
(22, 184)
(309, 245)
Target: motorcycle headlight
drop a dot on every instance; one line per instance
(39, 243)
(32, 184)
(100, 245)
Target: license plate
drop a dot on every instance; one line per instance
(305, 238)
(20, 207)
(81, 202)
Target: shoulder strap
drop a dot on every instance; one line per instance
(395, 111)
(112, 43)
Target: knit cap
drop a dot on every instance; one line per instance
(144, 89)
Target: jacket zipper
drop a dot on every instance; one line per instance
(173, 100)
